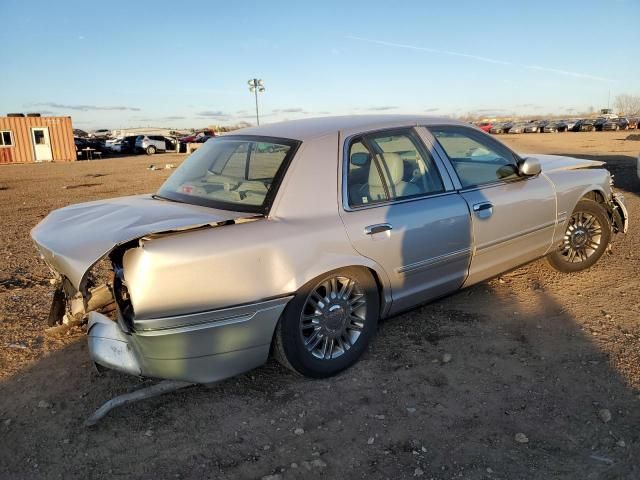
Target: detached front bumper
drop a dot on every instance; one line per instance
(201, 348)
(619, 213)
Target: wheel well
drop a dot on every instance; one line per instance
(596, 196)
(381, 301)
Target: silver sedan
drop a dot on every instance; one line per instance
(296, 238)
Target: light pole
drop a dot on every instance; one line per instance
(256, 85)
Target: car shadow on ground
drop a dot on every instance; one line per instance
(520, 363)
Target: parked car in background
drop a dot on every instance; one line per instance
(100, 133)
(86, 147)
(615, 124)
(302, 251)
(534, 127)
(128, 144)
(599, 122)
(587, 125)
(485, 126)
(150, 144)
(553, 127)
(518, 127)
(197, 137)
(633, 123)
(113, 144)
(80, 133)
(499, 128)
(565, 125)
(171, 143)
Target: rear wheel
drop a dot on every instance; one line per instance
(151, 150)
(328, 324)
(585, 240)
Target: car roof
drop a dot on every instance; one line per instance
(310, 128)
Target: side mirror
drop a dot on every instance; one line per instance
(529, 167)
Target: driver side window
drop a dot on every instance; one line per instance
(477, 160)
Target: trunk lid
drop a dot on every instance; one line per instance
(72, 239)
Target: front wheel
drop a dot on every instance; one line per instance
(586, 239)
(328, 324)
(151, 150)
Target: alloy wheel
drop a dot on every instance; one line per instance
(333, 317)
(582, 237)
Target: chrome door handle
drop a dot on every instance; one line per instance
(483, 210)
(377, 228)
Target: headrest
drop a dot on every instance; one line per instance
(392, 169)
(360, 159)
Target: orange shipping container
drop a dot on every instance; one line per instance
(36, 139)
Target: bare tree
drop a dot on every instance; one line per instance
(628, 104)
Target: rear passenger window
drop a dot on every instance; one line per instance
(390, 166)
(477, 160)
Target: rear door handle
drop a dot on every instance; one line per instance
(483, 210)
(377, 228)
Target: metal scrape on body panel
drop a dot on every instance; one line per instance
(109, 346)
(72, 239)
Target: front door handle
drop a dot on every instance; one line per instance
(377, 228)
(483, 210)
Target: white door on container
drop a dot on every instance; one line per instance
(41, 144)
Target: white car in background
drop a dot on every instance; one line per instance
(100, 133)
(113, 144)
(151, 144)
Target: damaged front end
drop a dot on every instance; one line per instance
(84, 246)
(618, 213)
(70, 306)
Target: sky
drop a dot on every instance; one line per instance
(120, 64)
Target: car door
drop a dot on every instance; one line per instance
(400, 209)
(513, 216)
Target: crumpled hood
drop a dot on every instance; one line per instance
(72, 239)
(554, 163)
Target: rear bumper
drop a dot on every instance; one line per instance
(201, 348)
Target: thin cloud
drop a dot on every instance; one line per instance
(45, 113)
(288, 110)
(382, 108)
(85, 108)
(175, 117)
(432, 109)
(213, 114)
(482, 59)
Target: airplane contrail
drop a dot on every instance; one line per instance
(481, 58)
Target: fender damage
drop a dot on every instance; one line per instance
(72, 240)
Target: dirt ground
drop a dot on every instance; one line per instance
(533, 352)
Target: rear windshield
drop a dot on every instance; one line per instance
(233, 173)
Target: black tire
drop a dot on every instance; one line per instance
(150, 150)
(288, 345)
(561, 260)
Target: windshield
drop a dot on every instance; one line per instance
(234, 173)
